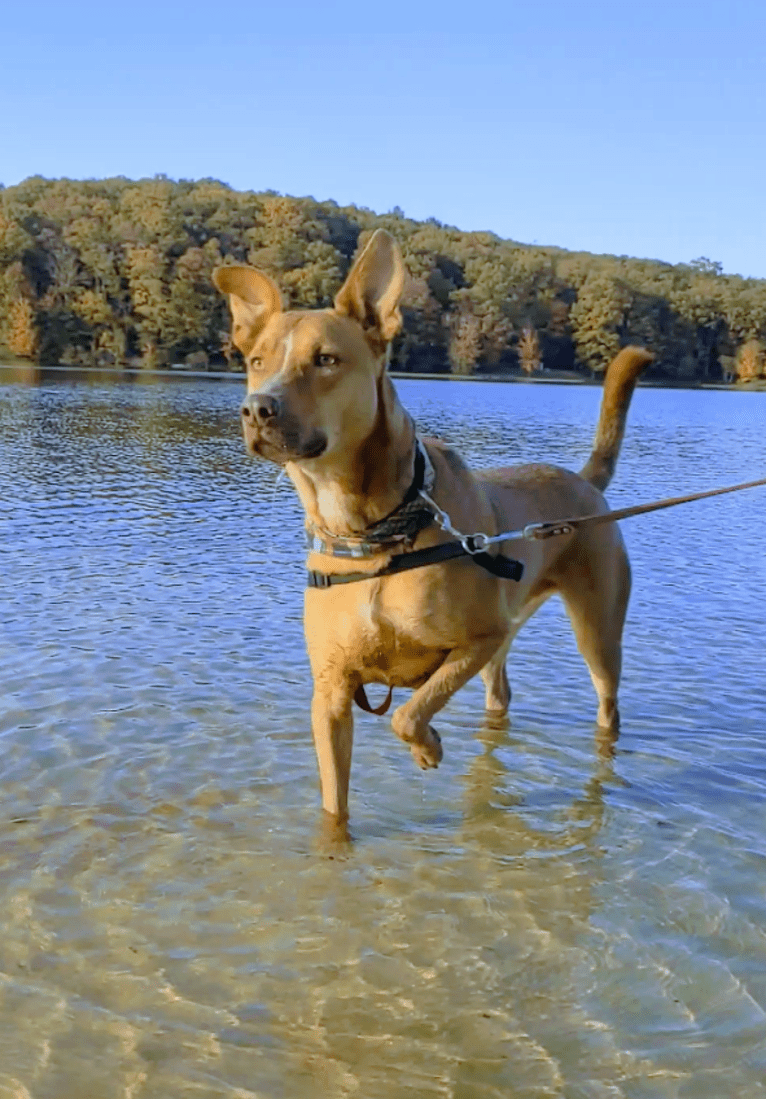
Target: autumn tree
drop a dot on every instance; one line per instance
(528, 349)
(465, 340)
(750, 361)
(21, 337)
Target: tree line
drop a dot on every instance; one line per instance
(115, 271)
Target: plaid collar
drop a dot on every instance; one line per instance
(399, 528)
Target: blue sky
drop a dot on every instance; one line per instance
(636, 129)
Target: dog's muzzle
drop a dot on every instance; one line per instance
(272, 431)
(260, 408)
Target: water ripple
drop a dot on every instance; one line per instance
(546, 915)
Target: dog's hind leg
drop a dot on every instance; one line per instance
(496, 685)
(494, 673)
(597, 613)
(604, 659)
(411, 721)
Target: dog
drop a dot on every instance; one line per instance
(396, 598)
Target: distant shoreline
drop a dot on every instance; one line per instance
(120, 270)
(557, 378)
(562, 379)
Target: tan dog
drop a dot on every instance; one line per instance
(319, 403)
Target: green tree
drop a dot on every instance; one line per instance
(111, 267)
(290, 243)
(191, 301)
(151, 303)
(13, 240)
(596, 318)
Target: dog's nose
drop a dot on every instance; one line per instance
(262, 406)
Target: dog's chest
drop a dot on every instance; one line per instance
(382, 636)
(395, 652)
(399, 629)
(402, 634)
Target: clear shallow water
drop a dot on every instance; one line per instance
(537, 918)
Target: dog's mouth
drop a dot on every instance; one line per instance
(282, 447)
(315, 446)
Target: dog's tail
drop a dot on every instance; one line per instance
(619, 383)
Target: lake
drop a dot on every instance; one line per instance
(541, 917)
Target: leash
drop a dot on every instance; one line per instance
(475, 544)
(478, 542)
(548, 530)
(400, 527)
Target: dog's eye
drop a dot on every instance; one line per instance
(327, 361)
(256, 362)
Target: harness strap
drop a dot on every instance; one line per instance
(504, 567)
(507, 568)
(362, 701)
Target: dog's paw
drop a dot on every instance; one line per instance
(428, 752)
(425, 743)
(608, 717)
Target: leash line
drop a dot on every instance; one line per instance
(479, 541)
(475, 545)
(548, 530)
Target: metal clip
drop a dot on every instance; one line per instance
(475, 543)
(539, 531)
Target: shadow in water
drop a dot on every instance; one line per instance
(496, 808)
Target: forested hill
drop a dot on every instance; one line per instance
(115, 271)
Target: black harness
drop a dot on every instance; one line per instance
(505, 567)
(403, 524)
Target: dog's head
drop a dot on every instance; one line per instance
(313, 375)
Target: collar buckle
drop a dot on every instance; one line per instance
(319, 579)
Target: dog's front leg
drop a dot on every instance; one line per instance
(411, 721)
(333, 728)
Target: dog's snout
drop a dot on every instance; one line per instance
(262, 406)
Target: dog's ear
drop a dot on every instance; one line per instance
(374, 286)
(253, 299)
